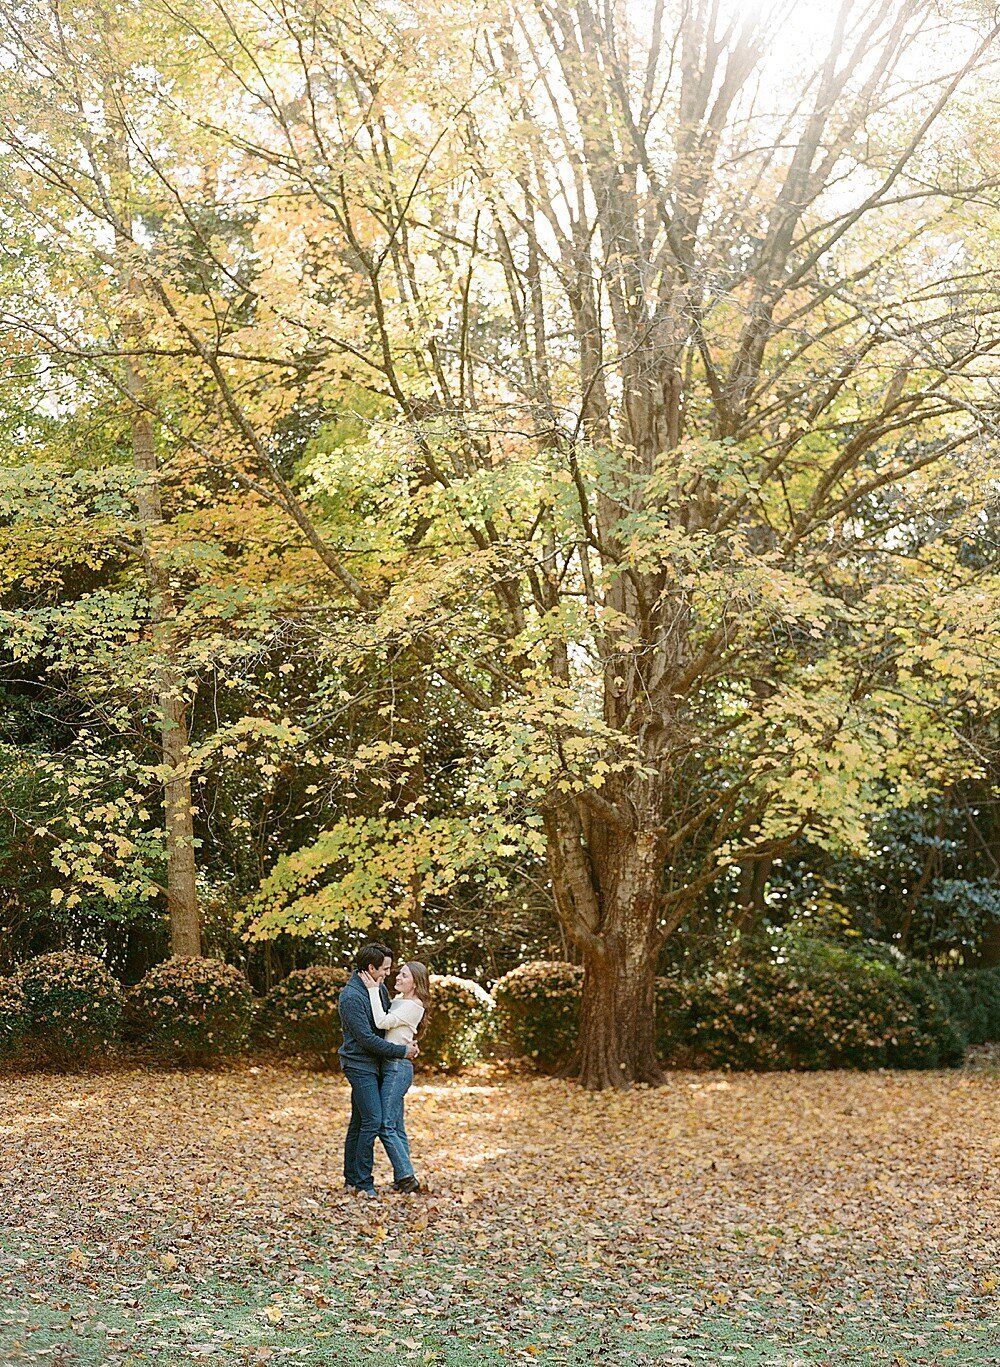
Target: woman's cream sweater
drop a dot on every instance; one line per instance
(400, 1021)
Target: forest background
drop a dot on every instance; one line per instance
(521, 480)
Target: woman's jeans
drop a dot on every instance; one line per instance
(397, 1075)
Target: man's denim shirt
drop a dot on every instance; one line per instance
(363, 1048)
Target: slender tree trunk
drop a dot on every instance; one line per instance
(930, 860)
(989, 953)
(409, 729)
(750, 898)
(182, 895)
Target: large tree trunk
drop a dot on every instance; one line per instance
(607, 883)
(182, 894)
(617, 1042)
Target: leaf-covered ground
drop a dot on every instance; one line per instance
(180, 1217)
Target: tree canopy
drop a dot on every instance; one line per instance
(555, 432)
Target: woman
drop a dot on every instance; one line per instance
(401, 1023)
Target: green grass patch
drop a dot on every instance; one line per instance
(461, 1313)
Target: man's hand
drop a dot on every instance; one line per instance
(412, 1050)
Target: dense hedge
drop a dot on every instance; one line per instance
(812, 1005)
(72, 1005)
(805, 1004)
(973, 997)
(538, 1011)
(14, 1023)
(800, 1003)
(458, 1025)
(192, 1009)
(300, 1014)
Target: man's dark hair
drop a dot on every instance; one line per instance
(371, 956)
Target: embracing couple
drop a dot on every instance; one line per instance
(380, 1044)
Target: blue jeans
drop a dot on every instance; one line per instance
(365, 1124)
(397, 1074)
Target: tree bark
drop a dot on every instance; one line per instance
(617, 1041)
(750, 897)
(182, 893)
(989, 953)
(607, 884)
(181, 889)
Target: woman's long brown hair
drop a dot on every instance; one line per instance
(422, 988)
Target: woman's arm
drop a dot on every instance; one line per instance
(381, 1016)
(401, 1012)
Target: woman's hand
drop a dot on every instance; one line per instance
(367, 979)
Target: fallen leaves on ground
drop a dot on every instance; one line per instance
(170, 1217)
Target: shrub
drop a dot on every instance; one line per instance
(192, 1009)
(973, 998)
(13, 1018)
(458, 1023)
(73, 1004)
(300, 1014)
(983, 986)
(538, 1011)
(810, 1004)
(937, 1039)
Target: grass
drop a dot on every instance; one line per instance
(221, 1323)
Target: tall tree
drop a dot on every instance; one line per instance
(172, 693)
(93, 99)
(172, 700)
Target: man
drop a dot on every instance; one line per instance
(361, 1056)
